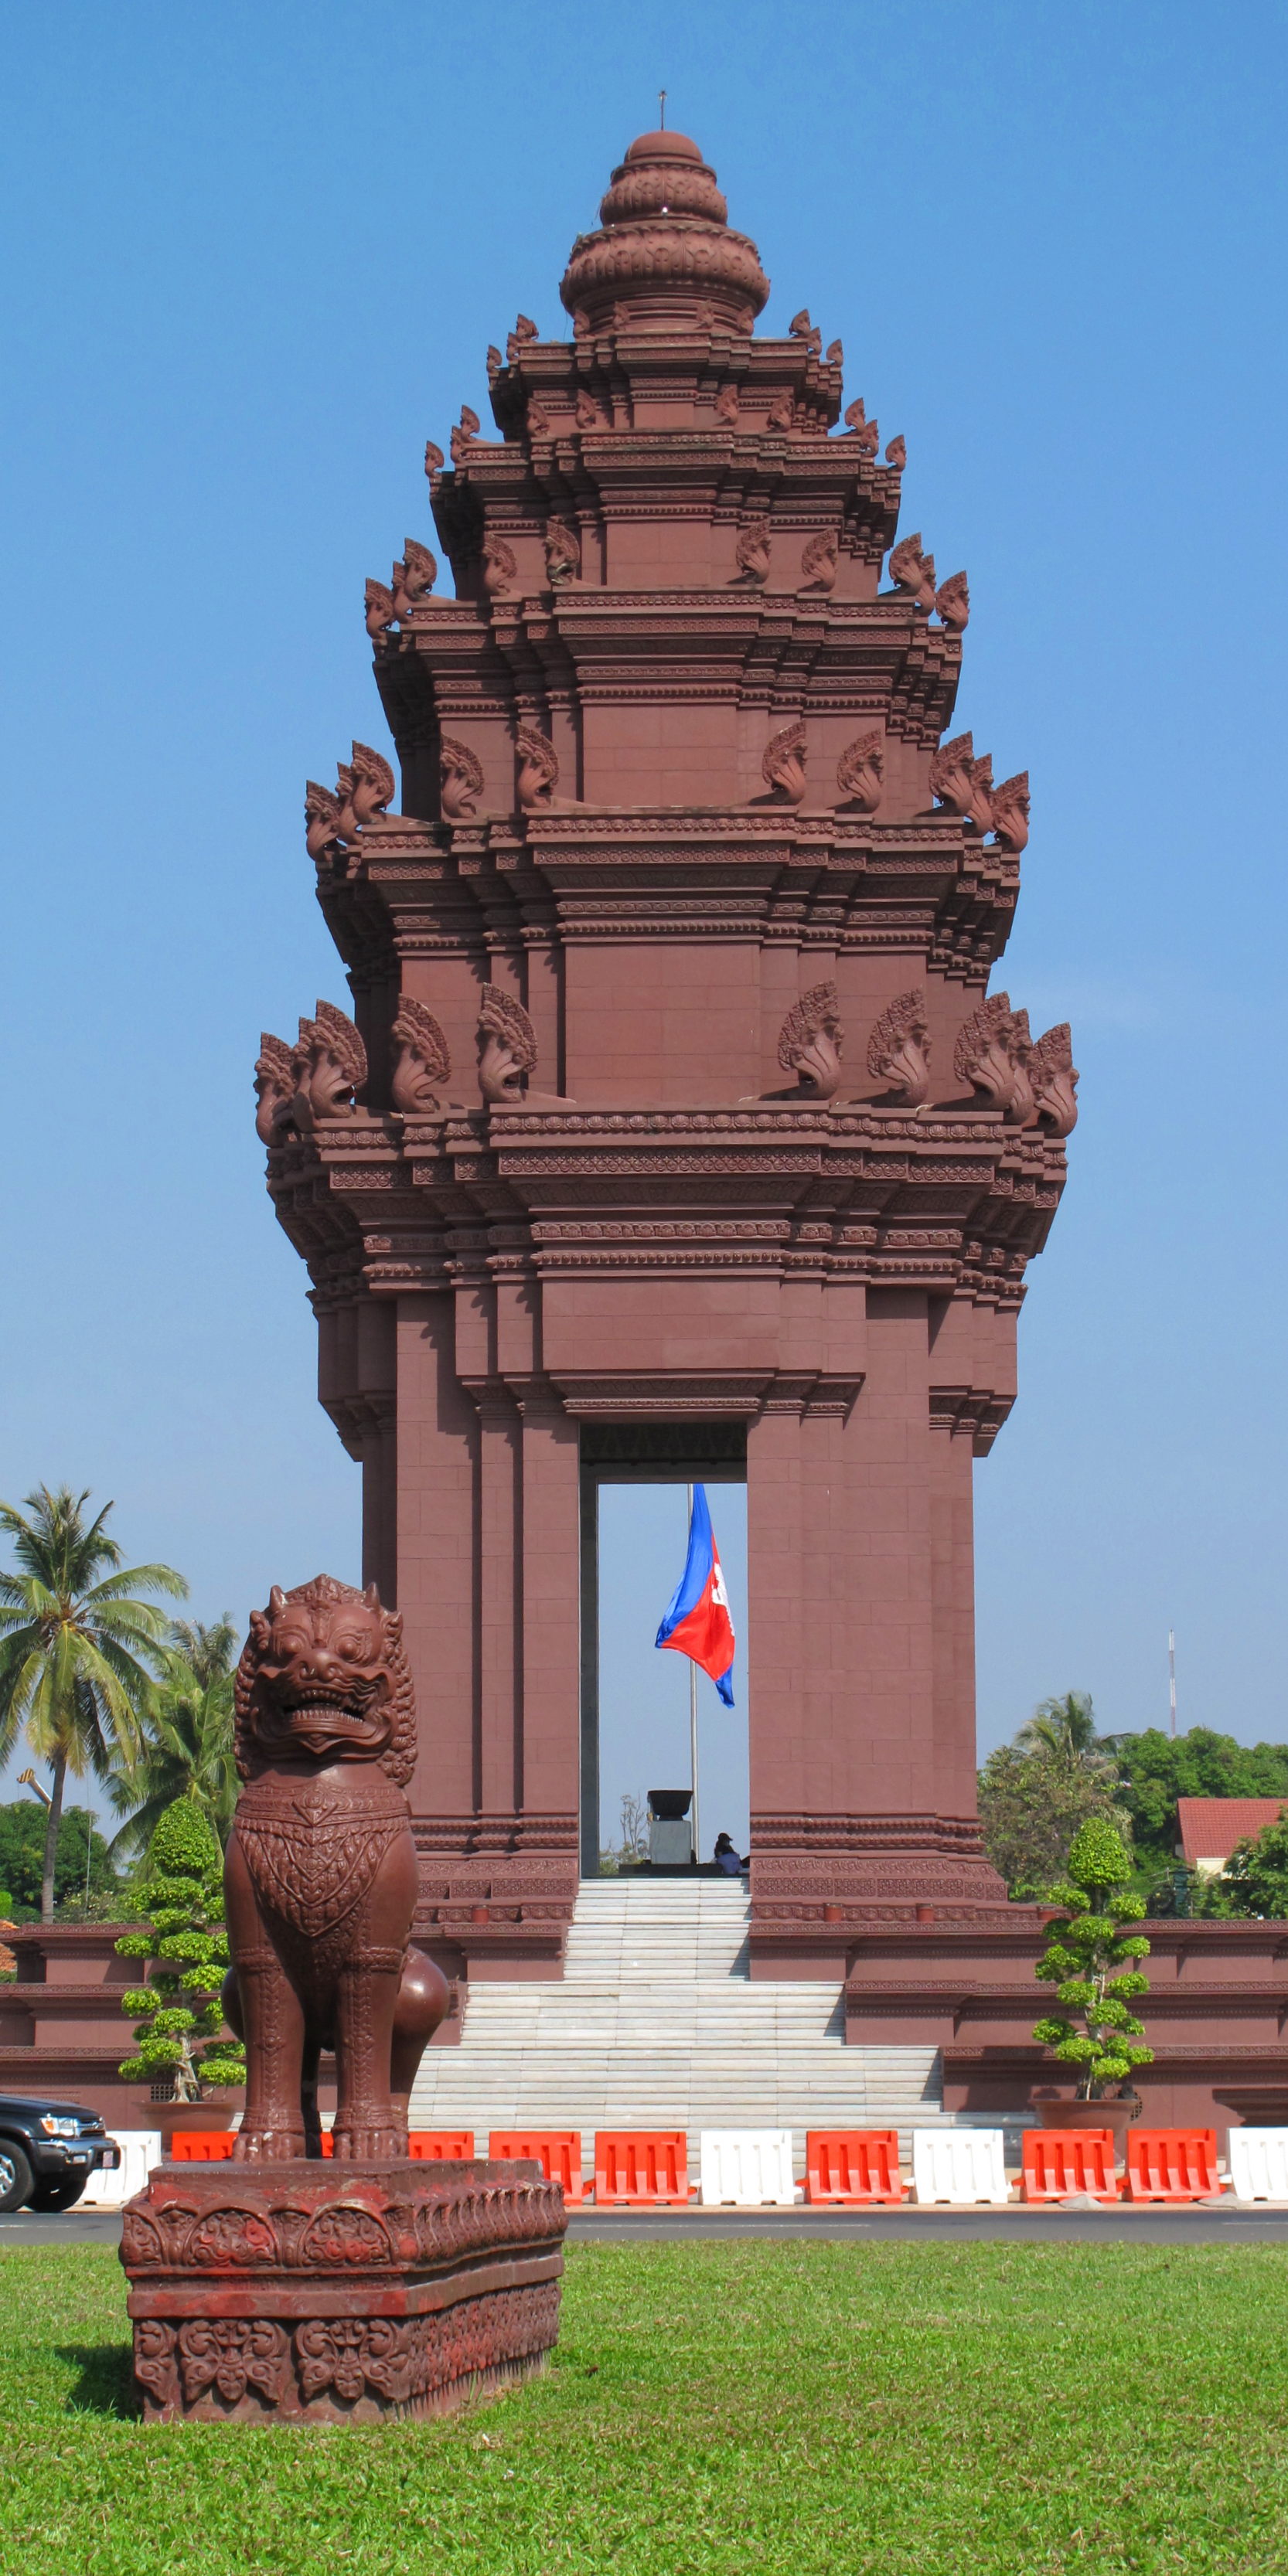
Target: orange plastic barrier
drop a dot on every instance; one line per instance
(1172, 2164)
(641, 2169)
(558, 2152)
(1059, 2163)
(440, 2146)
(201, 2146)
(846, 2167)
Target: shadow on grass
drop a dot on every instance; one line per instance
(106, 2382)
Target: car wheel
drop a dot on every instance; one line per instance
(15, 2176)
(62, 2194)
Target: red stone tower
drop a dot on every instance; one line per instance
(675, 1131)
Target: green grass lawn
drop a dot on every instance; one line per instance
(922, 2410)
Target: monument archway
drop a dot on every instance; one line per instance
(667, 1455)
(674, 1102)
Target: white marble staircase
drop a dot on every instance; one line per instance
(657, 2024)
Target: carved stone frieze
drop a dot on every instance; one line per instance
(296, 2292)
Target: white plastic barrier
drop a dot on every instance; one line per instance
(140, 2151)
(1259, 2164)
(747, 2169)
(960, 2166)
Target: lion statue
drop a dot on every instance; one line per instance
(320, 1876)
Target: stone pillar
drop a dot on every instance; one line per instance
(500, 1598)
(551, 1642)
(437, 1546)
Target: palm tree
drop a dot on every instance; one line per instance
(211, 1651)
(186, 1749)
(78, 1648)
(1065, 1731)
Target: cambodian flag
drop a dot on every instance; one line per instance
(697, 1621)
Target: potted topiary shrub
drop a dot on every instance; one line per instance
(178, 2014)
(1089, 1960)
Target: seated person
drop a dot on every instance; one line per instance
(726, 1857)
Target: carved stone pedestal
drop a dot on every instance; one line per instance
(307, 2292)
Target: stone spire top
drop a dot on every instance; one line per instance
(665, 257)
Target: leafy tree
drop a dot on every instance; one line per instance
(187, 1739)
(77, 1647)
(211, 1651)
(1157, 1769)
(179, 2013)
(1087, 1960)
(22, 1849)
(1255, 1878)
(1065, 1731)
(1034, 1794)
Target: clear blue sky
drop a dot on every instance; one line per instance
(254, 257)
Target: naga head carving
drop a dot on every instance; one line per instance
(330, 1065)
(783, 766)
(423, 1064)
(952, 599)
(1053, 1077)
(992, 1054)
(507, 1046)
(963, 783)
(913, 571)
(460, 776)
(819, 561)
(274, 1089)
(323, 1678)
(414, 576)
(810, 1043)
(751, 553)
(859, 771)
(899, 1048)
(538, 768)
(1010, 812)
(562, 543)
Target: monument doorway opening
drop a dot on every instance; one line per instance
(635, 1701)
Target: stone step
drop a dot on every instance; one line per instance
(658, 2023)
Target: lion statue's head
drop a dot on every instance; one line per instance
(323, 1678)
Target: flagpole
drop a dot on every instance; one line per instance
(693, 1724)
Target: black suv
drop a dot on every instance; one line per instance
(48, 2150)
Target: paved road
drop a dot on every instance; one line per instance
(1232, 2226)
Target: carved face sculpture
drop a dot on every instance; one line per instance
(319, 1676)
